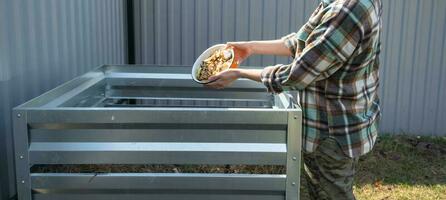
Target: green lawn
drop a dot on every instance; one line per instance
(402, 167)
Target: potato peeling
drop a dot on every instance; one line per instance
(219, 61)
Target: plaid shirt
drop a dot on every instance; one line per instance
(335, 70)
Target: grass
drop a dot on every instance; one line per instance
(398, 168)
(402, 167)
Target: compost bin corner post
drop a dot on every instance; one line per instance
(23, 179)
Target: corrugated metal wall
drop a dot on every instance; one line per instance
(45, 43)
(176, 31)
(413, 77)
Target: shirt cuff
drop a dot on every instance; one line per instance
(290, 42)
(270, 80)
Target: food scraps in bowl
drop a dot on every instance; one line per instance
(219, 61)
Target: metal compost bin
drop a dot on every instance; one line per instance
(129, 115)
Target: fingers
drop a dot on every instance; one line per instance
(229, 45)
(234, 44)
(213, 78)
(218, 84)
(221, 80)
(214, 85)
(214, 82)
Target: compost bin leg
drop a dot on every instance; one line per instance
(21, 146)
(293, 155)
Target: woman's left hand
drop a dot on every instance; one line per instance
(223, 79)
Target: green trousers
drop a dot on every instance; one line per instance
(329, 172)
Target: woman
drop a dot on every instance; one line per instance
(335, 70)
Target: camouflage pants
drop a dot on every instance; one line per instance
(329, 172)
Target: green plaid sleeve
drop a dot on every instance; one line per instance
(332, 43)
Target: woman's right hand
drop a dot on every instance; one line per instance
(242, 50)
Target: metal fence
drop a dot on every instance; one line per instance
(171, 120)
(176, 32)
(413, 78)
(45, 43)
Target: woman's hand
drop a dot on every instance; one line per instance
(223, 79)
(242, 50)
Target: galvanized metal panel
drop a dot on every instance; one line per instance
(159, 186)
(286, 25)
(421, 59)
(156, 153)
(187, 31)
(201, 27)
(441, 114)
(158, 135)
(435, 72)
(159, 181)
(390, 82)
(294, 147)
(174, 26)
(412, 67)
(184, 29)
(23, 179)
(174, 196)
(412, 60)
(255, 27)
(402, 104)
(174, 117)
(45, 43)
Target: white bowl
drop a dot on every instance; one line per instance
(206, 54)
